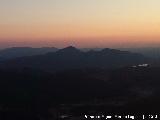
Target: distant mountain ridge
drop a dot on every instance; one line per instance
(73, 58)
(153, 52)
(14, 52)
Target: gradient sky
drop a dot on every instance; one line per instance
(82, 23)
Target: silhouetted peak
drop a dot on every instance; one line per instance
(69, 49)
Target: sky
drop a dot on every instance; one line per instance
(81, 23)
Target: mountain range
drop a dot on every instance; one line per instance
(38, 86)
(73, 58)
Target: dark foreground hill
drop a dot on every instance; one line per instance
(73, 58)
(15, 52)
(29, 94)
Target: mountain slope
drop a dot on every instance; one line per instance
(73, 58)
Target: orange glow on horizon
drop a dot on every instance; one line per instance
(91, 23)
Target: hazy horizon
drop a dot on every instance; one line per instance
(120, 48)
